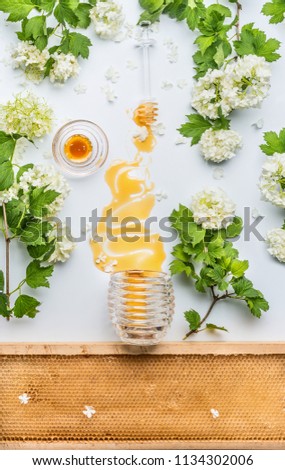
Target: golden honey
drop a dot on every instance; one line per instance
(78, 148)
(132, 197)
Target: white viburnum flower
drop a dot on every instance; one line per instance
(213, 209)
(65, 66)
(207, 95)
(108, 19)
(9, 194)
(219, 145)
(46, 176)
(63, 245)
(276, 243)
(272, 180)
(241, 84)
(246, 82)
(31, 60)
(27, 115)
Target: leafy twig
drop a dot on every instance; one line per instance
(7, 245)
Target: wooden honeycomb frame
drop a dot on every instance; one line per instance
(145, 398)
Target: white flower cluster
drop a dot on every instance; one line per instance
(26, 114)
(33, 61)
(219, 145)
(29, 58)
(213, 209)
(276, 243)
(46, 175)
(63, 245)
(241, 84)
(272, 180)
(9, 194)
(65, 66)
(108, 19)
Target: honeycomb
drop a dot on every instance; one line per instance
(142, 398)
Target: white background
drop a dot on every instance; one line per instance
(75, 308)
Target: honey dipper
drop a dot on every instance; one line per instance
(147, 112)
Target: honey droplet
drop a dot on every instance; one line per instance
(78, 148)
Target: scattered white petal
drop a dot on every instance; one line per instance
(109, 92)
(131, 65)
(109, 268)
(172, 55)
(218, 173)
(168, 42)
(24, 399)
(255, 213)
(215, 413)
(166, 85)
(141, 133)
(80, 89)
(259, 124)
(182, 83)
(101, 259)
(112, 74)
(47, 155)
(160, 195)
(180, 139)
(89, 411)
(158, 128)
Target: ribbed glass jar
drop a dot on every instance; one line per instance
(141, 305)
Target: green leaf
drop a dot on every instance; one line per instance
(33, 233)
(42, 252)
(208, 60)
(257, 305)
(195, 128)
(47, 5)
(2, 281)
(254, 41)
(243, 287)
(219, 56)
(7, 145)
(26, 305)
(193, 318)
(234, 229)
(211, 326)
(151, 5)
(6, 175)
(217, 274)
(83, 14)
(204, 42)
(238, 267)
(36, 275)
(274, 143)
(18, 9)
(23, 169)
(275, 9)
(35, 27)
(65, 12)
(79, 45)
(4, 311)
(178, 267)
(15, 210)
(40, 198)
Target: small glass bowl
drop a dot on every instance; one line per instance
(96, 136)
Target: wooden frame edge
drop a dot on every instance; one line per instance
(171, 348)
(146, 445)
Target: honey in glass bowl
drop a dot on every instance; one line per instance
(78, 148)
